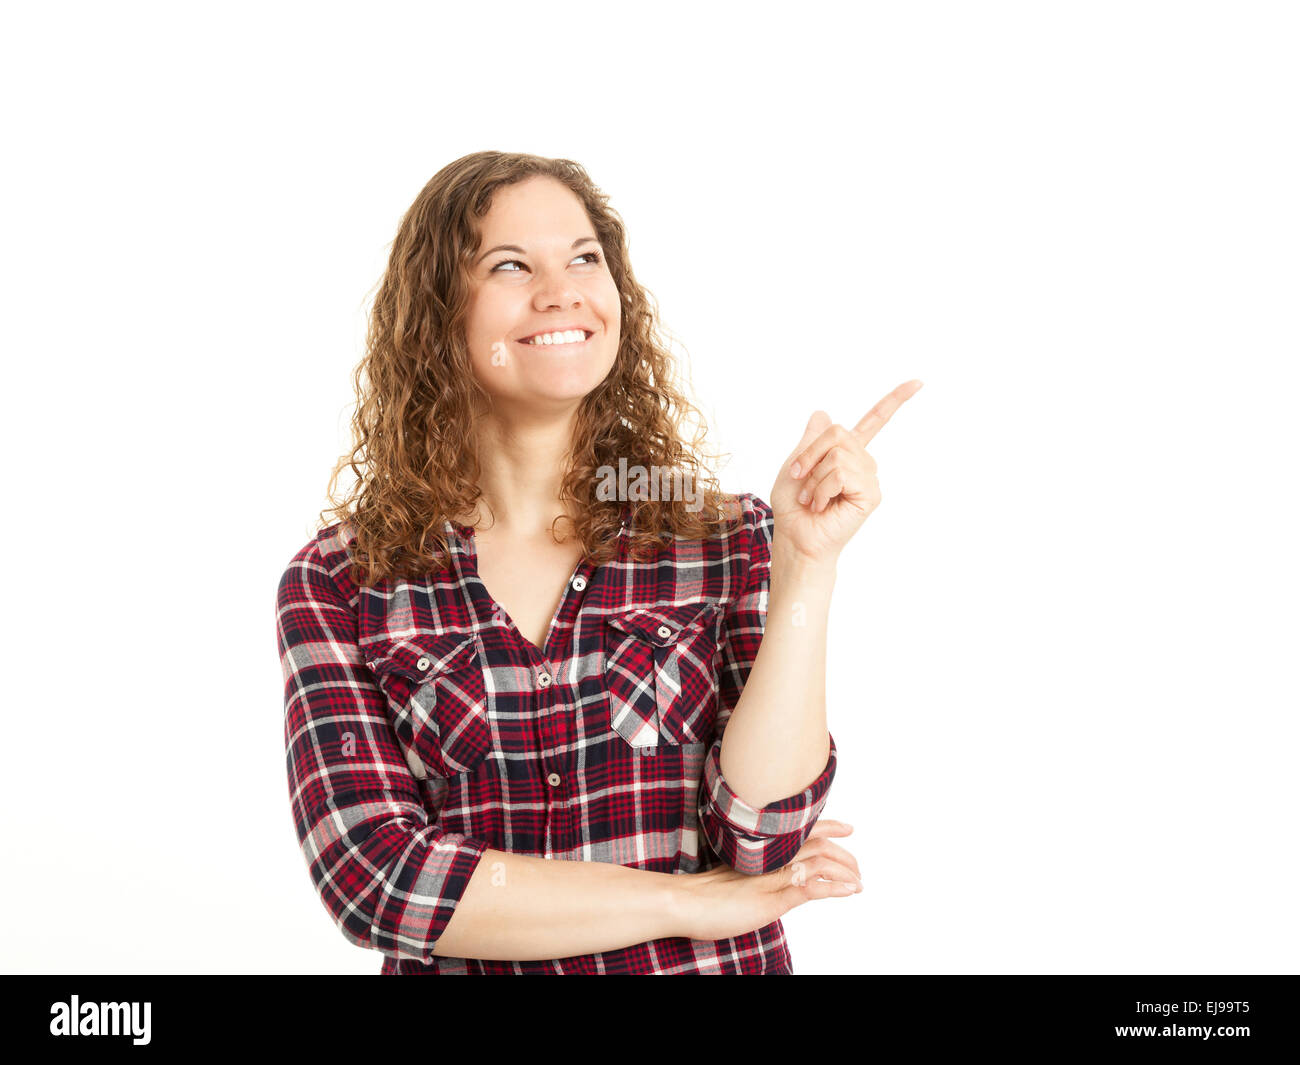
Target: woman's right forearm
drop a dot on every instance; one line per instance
(522, 908)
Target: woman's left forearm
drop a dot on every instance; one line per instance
(776, 741)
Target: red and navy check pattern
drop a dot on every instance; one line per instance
(421, 728)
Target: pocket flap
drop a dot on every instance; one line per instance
(421, 656)
(664, 624)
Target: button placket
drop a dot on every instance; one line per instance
(546, 678)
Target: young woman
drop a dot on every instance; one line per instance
(554, 703)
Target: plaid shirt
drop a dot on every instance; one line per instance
(422, 728)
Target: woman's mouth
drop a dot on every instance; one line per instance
(560, 341)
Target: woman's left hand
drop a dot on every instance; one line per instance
(832, 468)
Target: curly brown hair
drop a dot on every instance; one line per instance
(413, 451)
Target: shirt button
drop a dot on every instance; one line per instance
(579, 583)
(422, 664)
(544, 679)
(553, 780)
(664, 631)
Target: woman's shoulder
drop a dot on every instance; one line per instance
(325, 555)
(754, 506)
(755, 515)
(746, 541)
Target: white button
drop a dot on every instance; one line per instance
(664, 631)
(422, 664)
(544, 679)
(579, 583)
(553, 779)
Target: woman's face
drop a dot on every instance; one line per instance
(552, 278)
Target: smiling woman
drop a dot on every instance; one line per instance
(551, 297)
(497, 250)
(504, 747)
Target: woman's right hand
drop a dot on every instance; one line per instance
(722, 903)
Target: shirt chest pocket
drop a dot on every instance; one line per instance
(437, 695)
(659, 673)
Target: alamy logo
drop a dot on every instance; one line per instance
(101, 1018)
(638, 482)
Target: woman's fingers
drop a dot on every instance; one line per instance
(819, 842)
(839, 854)
(816, 426)
(822, 865)
(829, 827)
(874, 420)
(817, 877)
(796, 894)
(810, 454)
(807, 455)
(826, 481)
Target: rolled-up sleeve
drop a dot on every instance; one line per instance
(388, 877)
(753, 839)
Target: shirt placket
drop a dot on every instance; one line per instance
(557, 727)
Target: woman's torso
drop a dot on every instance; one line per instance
(572, 721)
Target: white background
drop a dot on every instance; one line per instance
(1062, 673)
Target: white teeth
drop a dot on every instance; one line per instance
(571, 336)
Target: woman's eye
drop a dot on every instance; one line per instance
(593, 255)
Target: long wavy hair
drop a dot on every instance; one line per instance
(414, 451)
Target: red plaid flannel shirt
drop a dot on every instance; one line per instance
(421, 728)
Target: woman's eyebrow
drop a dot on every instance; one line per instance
(516, 247)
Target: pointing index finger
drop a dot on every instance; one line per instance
(874, 420)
